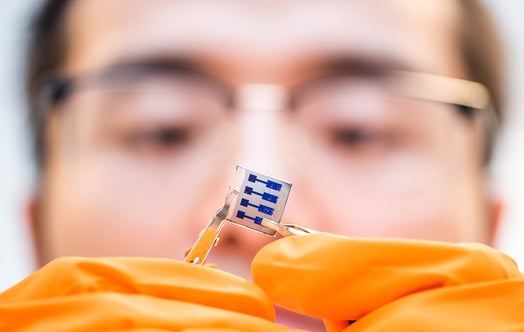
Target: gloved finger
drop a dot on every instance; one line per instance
(108, 311)
(340, 278)
(161, 278)
(485, 306)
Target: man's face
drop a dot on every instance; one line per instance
(141, 158)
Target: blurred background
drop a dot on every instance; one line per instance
(16, 172)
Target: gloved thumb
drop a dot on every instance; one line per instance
(341, 279)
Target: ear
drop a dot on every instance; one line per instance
(33, 217)
(496, 208)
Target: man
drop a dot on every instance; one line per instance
(381, 114)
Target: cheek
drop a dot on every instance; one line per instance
(440, 205)
(98, 211)
(100, 226)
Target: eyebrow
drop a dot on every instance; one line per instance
(61, 86)
(360, 64)
(167, 64)
(332, 66)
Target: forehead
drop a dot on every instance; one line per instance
(267, 33)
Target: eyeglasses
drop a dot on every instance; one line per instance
(156, 118)
(458, 92)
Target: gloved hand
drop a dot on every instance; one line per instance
(393, 285)
(107, 294)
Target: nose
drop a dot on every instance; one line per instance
(260, 126)
(260, 122)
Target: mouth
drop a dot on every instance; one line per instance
(298, 321)
(233, 262)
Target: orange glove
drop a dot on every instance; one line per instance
(86, 294)
(393, 285)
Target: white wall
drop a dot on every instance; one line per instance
(509, 168)
(15, 169)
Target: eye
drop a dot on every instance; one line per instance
(159, 140)
(355, 138)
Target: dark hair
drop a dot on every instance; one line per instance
(479, 43)
(483, 57)
(46, 52)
